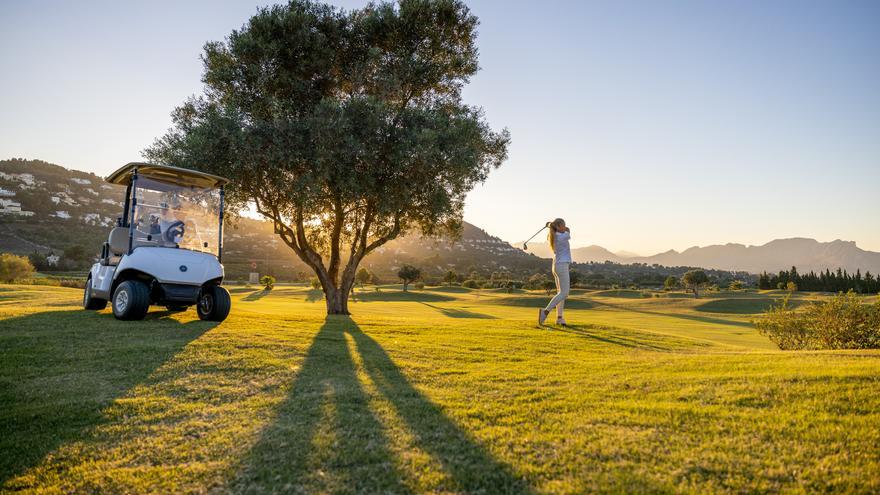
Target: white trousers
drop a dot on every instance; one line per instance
(560, 273)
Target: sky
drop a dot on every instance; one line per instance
(647, 126)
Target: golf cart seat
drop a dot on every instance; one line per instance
(115, 247)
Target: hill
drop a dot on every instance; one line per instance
(51, 209)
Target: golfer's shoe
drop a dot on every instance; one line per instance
(560, 322)
(542, 315)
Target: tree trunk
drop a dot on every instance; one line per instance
(337, 301)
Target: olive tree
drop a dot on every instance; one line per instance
(694, 279)
(407, 274)
(345, 129)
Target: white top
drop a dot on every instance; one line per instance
(562, 254)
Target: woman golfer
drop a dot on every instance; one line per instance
(558, 237)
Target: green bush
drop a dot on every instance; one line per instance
(470, 284)
(419, 285)
(315, 283)
(13, 267)
(843, 322)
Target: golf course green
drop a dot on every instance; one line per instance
(443, 390)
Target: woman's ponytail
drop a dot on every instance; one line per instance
(551, 232)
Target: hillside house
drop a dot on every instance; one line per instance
(10, 207)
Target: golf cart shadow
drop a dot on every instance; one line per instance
(47, 409)
(329, 400)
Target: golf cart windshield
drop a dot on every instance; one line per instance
(171, 215)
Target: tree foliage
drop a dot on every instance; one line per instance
(407, 274)
(843, 322)
(344, 128)
(363, 276)
(694, 279)
(827, 281)
(14, 267)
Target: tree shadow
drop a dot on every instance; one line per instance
(61, 369)
(703, 319)
(256, 295)
(460, 313)
(471, 468)
(399, 295)
(326, 438)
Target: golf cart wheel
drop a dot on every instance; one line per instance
(214, 303)
(131, 300)
(176, 308)
(91, 302)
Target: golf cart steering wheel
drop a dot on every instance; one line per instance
(173, 231)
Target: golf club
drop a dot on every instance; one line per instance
(526, 244)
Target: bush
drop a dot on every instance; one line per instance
(470, 284)
(419, 285)
(14, 267)
(844, 322)
(315, 283)
(268, 282)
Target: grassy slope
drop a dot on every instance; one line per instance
(441, 391)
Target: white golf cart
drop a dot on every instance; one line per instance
(166, 247)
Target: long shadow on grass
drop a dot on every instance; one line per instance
(471, 468)
(256, 295)
(326, 438)
(60, 369)
(703, 319)
(460, 313)
(625, 338)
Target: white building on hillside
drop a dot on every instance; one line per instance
(10, 207)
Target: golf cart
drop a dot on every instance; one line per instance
(166, 247)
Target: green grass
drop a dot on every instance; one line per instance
(438, 391)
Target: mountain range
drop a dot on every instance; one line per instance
(779, 254)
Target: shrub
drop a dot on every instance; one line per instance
(315, 283)
(470, 284)
(13, 267)
(268, 282)
(843, 322)
(419, 285)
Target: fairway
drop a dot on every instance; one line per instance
(444, 390)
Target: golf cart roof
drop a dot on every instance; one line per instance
(167, 174)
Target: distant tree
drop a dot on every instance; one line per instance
(268, 282)
(38, 260)
(575, 277)
(548, 286)
(735, 285)
(450, 277)
(670, 283)
(363, 276)
(13, 267)
(694, 279)
(407, 274)
(76, 253)
(791, 287)
(315, 283)
(345, 128)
